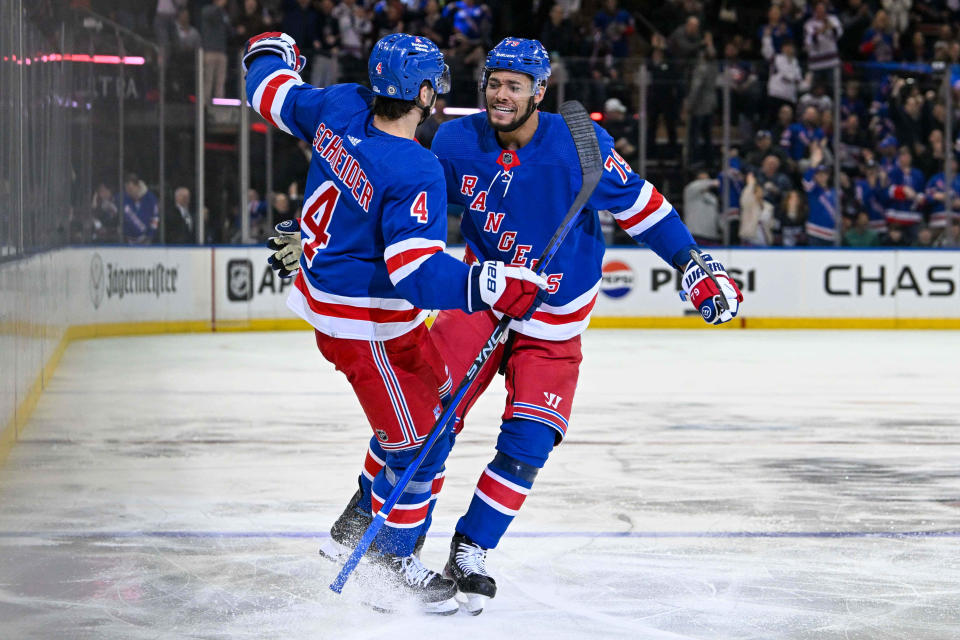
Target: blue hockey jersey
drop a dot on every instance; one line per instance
(514, 200)
(374, 218)
(822, 209)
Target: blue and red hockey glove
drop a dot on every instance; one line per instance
(513, 291)
(702, 291)
(276, 43)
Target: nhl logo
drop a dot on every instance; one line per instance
(97, 283)
(379, 67)
(391, 90)
(381, 435)
(507, 158)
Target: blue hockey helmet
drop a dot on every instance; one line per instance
(520, 55)
(399, 63)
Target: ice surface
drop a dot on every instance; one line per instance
(714, 484)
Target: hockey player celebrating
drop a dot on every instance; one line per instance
(368, 258)
(515, 172)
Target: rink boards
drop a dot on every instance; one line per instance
(81, 292)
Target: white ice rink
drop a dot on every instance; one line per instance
(714, 484)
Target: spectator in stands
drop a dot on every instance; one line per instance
(783, 121)
(761, 148)
(799, 136)
(327, 47)
(105, 217)
(853, 141)
(878, 41)
(250, 22)
(895, 237)
(888, 153)
(756, 214)
(852, 101)
(559, 36)
(899, 12)
(165, 21)
(701, 210)
(745, 90)
(861, 235)
(141, 217)
(924, 237)
(663, 97)
(615, 25)
(216, 31)
(905, 194)
(935, 197)
(792, 220)
(917, 52)
(701, 105)
(950, 238)
(931, 158)
(906, 111)
(774, 183)
(855, 19)
(434, 25)
(301, 22)
(817, 97)
(622, 128)
(685, 46)
(471, 23)
(821, 33)
(179, 220)
(870, 193)
(731, 181)
(786, 81)
(355, 27)
(821, 200)
(281, 208)
(774, 33)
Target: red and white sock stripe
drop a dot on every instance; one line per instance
(499, 493)
(437, 485)
(402, 516)
(372, 465)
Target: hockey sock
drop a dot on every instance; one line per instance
(523, 447)
(372, 464)
(408, 517)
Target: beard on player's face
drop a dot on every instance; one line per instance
(510, 100)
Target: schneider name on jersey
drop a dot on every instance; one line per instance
(514, 200)
(374, 219)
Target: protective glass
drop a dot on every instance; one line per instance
(442, 81)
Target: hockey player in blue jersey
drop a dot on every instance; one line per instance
(368, 259)
(515, 172)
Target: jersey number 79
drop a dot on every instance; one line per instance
(316, 219)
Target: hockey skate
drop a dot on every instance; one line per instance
(348, 529)
(434, 593)
(467, 567)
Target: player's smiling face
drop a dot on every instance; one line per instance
(508, 96)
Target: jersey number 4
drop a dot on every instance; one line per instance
(316, 219)
(419, 207)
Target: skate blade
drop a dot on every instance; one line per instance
(334, 551)
(443, 608)
(472, 603)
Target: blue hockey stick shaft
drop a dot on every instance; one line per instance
(439, 429)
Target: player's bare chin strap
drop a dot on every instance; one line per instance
(424, 108)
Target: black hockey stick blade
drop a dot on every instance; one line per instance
(591, 166)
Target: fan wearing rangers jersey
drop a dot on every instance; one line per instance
(515, 171)
(368, 258)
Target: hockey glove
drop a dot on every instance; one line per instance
(513, 291)
(276, 43)
(286, 248)
(704, 294)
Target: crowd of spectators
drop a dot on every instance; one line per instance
(777, 57)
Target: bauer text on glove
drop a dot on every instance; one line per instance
(513, 291)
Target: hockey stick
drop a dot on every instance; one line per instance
(591, 166)
(721, 299)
